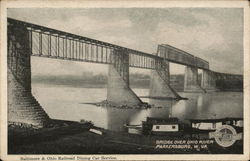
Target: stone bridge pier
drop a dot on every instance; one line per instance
(160, 82)
(23, 108)
(208, 81)
(160, 77)
(191, 83)
(119, 92)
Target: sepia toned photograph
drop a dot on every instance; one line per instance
(124, 80)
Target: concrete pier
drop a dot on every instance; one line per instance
(160, 82)
(208, 81)
(23, 108)
(191, 83)
(119, 92)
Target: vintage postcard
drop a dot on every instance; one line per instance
(124, 80)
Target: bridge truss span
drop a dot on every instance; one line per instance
(51, 43)
(178, 56)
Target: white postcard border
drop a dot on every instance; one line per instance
(126, 4)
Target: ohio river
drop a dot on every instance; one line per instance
(67, 103)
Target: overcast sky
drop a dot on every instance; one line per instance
(215, 35)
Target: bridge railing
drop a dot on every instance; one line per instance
(67, 47)
(201, 63)
(175, 55)
(47, 42)
(219, 75)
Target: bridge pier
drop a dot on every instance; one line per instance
(191, 83)
(208, 81)
(119, 92)
(160, 82)
(23, 108)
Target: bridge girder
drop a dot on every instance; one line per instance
(42, 37)
(52, 43)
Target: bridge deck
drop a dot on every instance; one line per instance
(51, 43)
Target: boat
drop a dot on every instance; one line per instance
(157, 126)
(172, 126)
(134, 129)
(162, 126)
(234, 121)
(211, 125)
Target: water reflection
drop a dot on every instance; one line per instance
(116, 118)
(66, 103)
(163, 112)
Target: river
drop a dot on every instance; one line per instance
(67, 103)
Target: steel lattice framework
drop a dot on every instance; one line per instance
(52, 43)
(47, 42)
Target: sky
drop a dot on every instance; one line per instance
(213, 34)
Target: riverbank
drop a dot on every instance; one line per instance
(69, 137)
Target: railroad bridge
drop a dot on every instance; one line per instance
(26, 40)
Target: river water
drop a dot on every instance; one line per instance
(67, 103)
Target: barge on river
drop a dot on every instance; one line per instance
(162, 126)
(157, 126)
(210, 125)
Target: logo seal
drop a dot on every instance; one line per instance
(225, 136)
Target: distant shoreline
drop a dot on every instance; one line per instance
(87, 85)
(84, 85)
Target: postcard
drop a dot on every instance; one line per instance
(124, 80)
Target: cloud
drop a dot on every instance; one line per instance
(87, 25)
(200, 36)
(213, 41)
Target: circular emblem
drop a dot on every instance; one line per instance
(224, 136)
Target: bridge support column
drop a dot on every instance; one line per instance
(119, 92)
(208, 81)
(160, 82)
(191, 83)
(23, 109)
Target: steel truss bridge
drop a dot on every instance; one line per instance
(52, 43)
